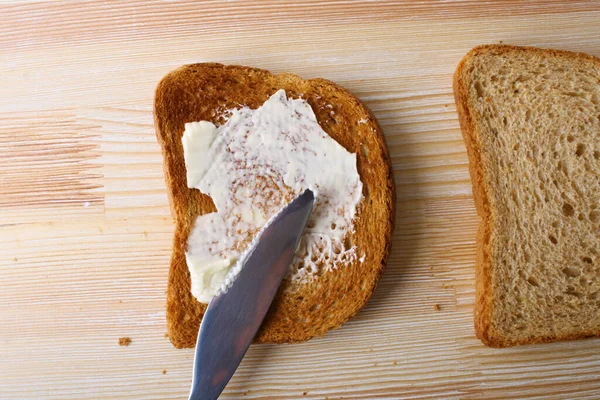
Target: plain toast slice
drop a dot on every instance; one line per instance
(299, 312)
(531, 122)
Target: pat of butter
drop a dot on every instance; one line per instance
(197, 139)
(207, 276)
(251, 166)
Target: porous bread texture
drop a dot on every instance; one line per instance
(531, 122)
(300, 311)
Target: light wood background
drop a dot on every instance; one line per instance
(85, 228)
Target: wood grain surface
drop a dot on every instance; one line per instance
(85, 227)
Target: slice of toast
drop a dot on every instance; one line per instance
(300, 311)
(530, 120)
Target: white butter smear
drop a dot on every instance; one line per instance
(251, 167)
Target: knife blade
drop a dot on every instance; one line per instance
(233, 317)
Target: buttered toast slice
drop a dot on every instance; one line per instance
(530, 120)
(301, 310)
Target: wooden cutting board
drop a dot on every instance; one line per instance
(85, 228)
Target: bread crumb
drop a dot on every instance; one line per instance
(500, 42)
(120, 301)
(395, 363)
(15, 259)
(166, 335)
(164, 371)
(304, 393)
(437, 307)
(124, 341)
(145, 233)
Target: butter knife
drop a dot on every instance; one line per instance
(233, 317)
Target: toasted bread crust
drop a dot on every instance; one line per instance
(485, 296)
(299, 312)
